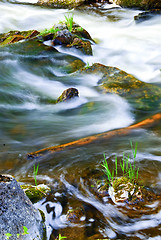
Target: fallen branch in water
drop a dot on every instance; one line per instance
(98, 137)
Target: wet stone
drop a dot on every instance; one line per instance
(81, 45)
(74, 215)
(74, 66)
(143, 96)
(78, 31)
(63, 37)
(15, 36)
(17, 212)
(144, 16)
(122, 191)
(68, 94)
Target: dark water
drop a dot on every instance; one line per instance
(29, 121)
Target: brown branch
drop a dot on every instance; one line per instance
(91, 139)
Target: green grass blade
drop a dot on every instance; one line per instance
(35, 173)
(116, 165)
(127, 163)
(112, 177)
(134, 151)
(121, 166)
(137, 174)
(106, 168)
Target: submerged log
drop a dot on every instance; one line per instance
(98, 137)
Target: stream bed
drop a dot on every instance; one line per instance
(30, 122)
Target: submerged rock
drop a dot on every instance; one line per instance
(17, 212)
(141, 95)
(68, 94)
(147, 15)
(31, 47)
(74, 66)
(74, 215)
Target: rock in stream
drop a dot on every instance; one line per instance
(17, 213)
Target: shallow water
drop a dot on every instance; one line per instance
(29, 122)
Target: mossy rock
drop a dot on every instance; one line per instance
(74, 66)
(16, 36)
(141, 4)
(141, 95)
(60, 3)
(78, 31)
(35, 193)
(81, 45)
(123, 190)
(59, 34)
(31, 47)
(68, 94)
(77, 38)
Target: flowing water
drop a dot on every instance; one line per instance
(29, 122)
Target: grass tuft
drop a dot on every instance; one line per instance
(69, 21)
(128, 169)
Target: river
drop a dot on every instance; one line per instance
(28, 122)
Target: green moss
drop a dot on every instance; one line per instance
(35, 193)
(74, 66)
(119, 183)
(141, 95)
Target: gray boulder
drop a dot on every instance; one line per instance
(18, 217)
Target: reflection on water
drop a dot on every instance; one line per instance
(30, 83)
